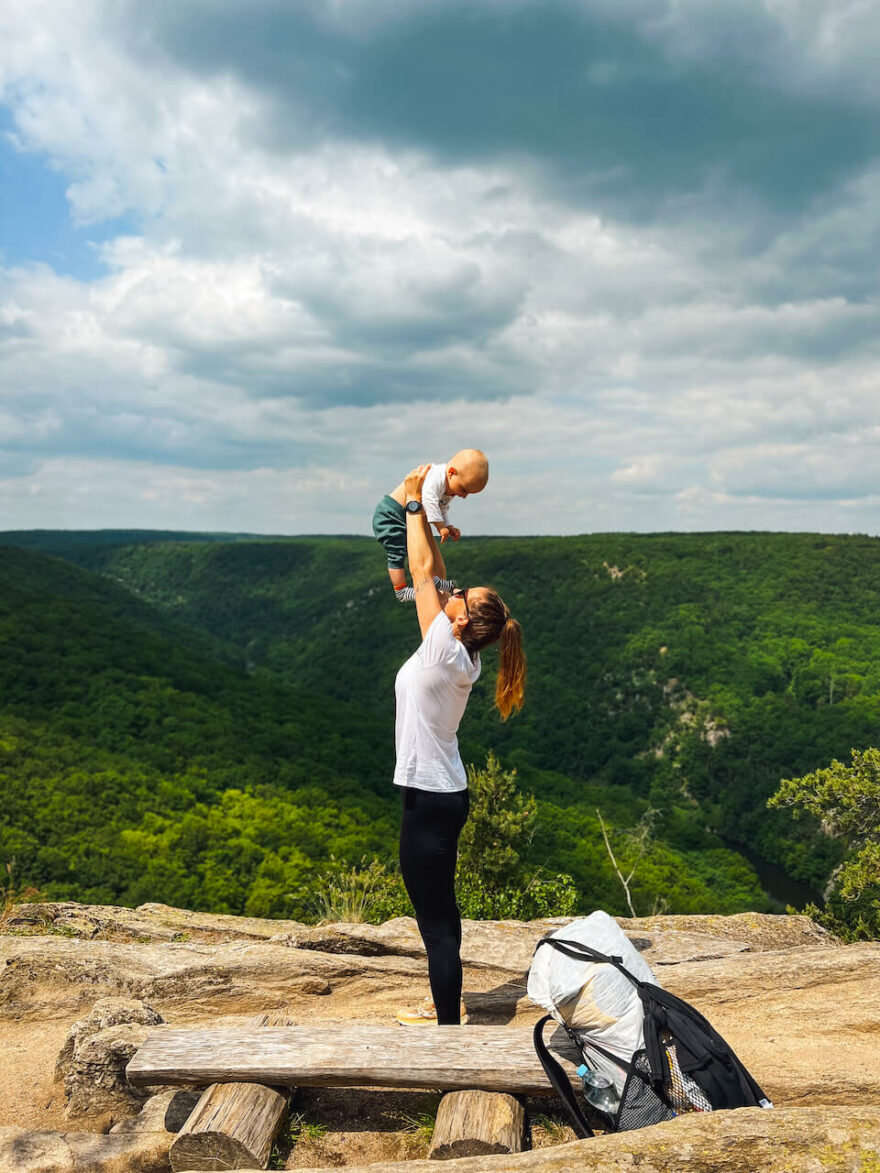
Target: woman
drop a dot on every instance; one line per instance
(432, 691)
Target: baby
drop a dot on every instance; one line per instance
(467, 472)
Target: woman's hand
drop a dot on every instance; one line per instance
(414, 481)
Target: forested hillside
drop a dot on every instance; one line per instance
(134, 766)
(685, 673)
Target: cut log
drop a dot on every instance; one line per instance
(232, 1127)
(234, 1124)
(488, 1058)
(474, 1123)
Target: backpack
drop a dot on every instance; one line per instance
(662, 1055)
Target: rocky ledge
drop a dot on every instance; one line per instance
(82, 986)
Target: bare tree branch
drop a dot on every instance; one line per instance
(641, 838)
(624, 882)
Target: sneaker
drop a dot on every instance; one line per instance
(425, 1015)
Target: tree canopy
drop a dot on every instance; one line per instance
(208, 722)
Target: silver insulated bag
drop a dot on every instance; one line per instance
(647, 1055)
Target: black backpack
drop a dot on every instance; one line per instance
(685, 1064)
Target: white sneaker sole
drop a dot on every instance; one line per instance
(465, 1018)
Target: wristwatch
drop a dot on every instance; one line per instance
(413, 507)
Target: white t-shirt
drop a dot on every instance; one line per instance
(432, 690)
(434, 497)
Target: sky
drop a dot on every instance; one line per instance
(258, 260)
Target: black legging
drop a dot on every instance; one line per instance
(429, 831)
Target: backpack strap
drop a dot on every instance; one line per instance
(560, 1081)
(623, 1064)
(584, 953)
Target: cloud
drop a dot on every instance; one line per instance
(841, 467)
(630, 109)
(629, 248)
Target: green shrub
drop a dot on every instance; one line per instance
(367, 893)
(846, 800)
(493, 881)
(540, 896)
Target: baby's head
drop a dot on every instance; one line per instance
(467, 472)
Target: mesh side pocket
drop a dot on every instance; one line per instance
(639, 1104)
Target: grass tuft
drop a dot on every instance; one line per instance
(296, 1130)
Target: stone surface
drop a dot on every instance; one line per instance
(486, 941)
(96, 1081)
(784, 1010)
(105, 1012)
(792, 1140)
(509, 945)
(147, 922)
(44, 1151)
(167, 1111)
(802, 1010)
(44, 977)
(316, 986)
(222, 925)
(757, 930)
(94, 1055)
(181, 1107)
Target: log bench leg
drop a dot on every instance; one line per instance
(234, 1125)
(474, 1123)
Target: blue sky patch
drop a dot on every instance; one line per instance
(35, 221)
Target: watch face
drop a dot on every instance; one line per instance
(414, 506)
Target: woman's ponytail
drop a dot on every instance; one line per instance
(490, 621)
(510, 687)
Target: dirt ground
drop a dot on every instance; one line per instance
(28, 1096)
(355, 1127)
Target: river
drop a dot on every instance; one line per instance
(777, 884)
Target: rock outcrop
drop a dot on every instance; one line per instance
(494, 944)
(801, 1009)
(793, 1140)
(167, 1111)
(45, 976)
(95, 1054)
(785, 994)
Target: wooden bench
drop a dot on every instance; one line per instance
(468, 1061)
(491, 1058)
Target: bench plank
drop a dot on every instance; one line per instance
(491, 1058)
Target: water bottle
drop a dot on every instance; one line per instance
(599, 1091)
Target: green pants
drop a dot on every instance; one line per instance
(389, 526)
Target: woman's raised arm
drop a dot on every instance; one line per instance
(420, 550)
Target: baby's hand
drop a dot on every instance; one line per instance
(453, 533)
(444, 532)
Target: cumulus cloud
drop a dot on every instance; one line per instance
(628, 248)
